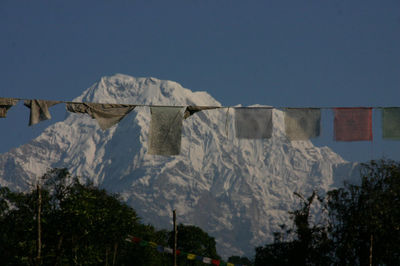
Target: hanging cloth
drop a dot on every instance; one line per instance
(165, 130)
(253, 122)
(391, 123)
(168, 250)
(5, 104)
(191, 256)
(106, 115)
(353, 124)
(190, 110)
(199, 258)
(160, 249)
(216, 262)
(39, 110)
(302, 123)
(206, 260)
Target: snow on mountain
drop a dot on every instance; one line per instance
(237, 190)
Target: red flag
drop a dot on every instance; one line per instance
(136, 239)
(216, 262)
(353, 124)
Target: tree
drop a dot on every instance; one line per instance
(81, 225)
(366, 217)
(307, 244)
(240, 260)
(192, 239)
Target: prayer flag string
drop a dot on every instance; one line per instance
(255, 122)
(188, 256)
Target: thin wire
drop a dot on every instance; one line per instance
(218, 107)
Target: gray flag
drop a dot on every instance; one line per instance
(302, 123)
(39, 110)
(106, 114)
(5, 104)
(165, 130)
(253, 122)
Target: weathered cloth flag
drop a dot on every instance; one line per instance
(190, 110)
(165, 130)
(302, 123)
(353, 124)
(5, 104)
(391, 123)
(253, 123)
(106, 115)
(39, 110)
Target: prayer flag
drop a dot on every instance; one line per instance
(302, 123)
(165, 130)
(152, 244)
(39, 110)
(353, 124)
(168, 250)
(191, 256)
(143, 243)
(5, 104)
(190, 110)
(391, 123)
(199, 258)
(253, 123)
(106, 115)
(136, 239)
(230, 264)
(216, 262)
(160, 249)
(207, 260)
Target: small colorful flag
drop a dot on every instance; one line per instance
(391, 123)
(168, 250)
(152, 244)
(206, 260)
(136, 239)
(216, 262)
(353, 124)
(160, 249)
(191, 256)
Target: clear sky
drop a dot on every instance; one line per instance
(293, 53)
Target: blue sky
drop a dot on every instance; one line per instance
(293, 53)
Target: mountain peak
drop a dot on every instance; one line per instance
(120, 88)
(238, 190)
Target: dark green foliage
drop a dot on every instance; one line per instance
(359, 215)
(369, 210)
(240, 260)
(192, 239)
(83, 225)
(306, 245)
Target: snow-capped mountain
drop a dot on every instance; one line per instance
(237, 190)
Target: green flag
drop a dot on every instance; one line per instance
(391, 123)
